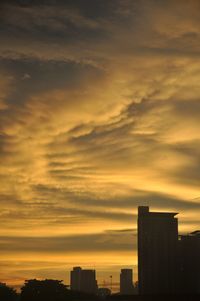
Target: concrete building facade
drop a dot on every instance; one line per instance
(189, 254)
(126, 282)
(157, 252)
(83, 280)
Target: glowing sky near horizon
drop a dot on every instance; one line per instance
(99, 113)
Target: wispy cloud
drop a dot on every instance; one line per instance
(99, 113)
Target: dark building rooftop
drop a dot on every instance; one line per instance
(144, 210)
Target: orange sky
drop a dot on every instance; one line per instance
(99, 113)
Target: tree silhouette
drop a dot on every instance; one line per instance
(7, 293)
(41, 290)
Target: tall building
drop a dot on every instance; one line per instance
(157, 252)
(189, 248)
(126, 282)
(83, 280)
(75, 279)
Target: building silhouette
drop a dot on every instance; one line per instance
(189, 251)
(126, 282)
(157, 252)
(168, 263)
(75, 279)
(83, 280)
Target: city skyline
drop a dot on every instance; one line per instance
(168, 264)
(99, 114)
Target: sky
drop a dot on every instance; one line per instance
(99, 113)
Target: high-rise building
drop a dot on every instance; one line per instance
(75, 279)
(83, 280)
(157, 252)
(126, 282)
(189, 248)
(88, 281)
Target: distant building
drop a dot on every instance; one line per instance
(126, 282)
(75, 279)
(157, 252)
(189, 248)
(83, 280)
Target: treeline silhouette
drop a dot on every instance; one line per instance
(55, 290)
(7, 293)
(43, 290)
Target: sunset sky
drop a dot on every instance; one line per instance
(99, 113)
